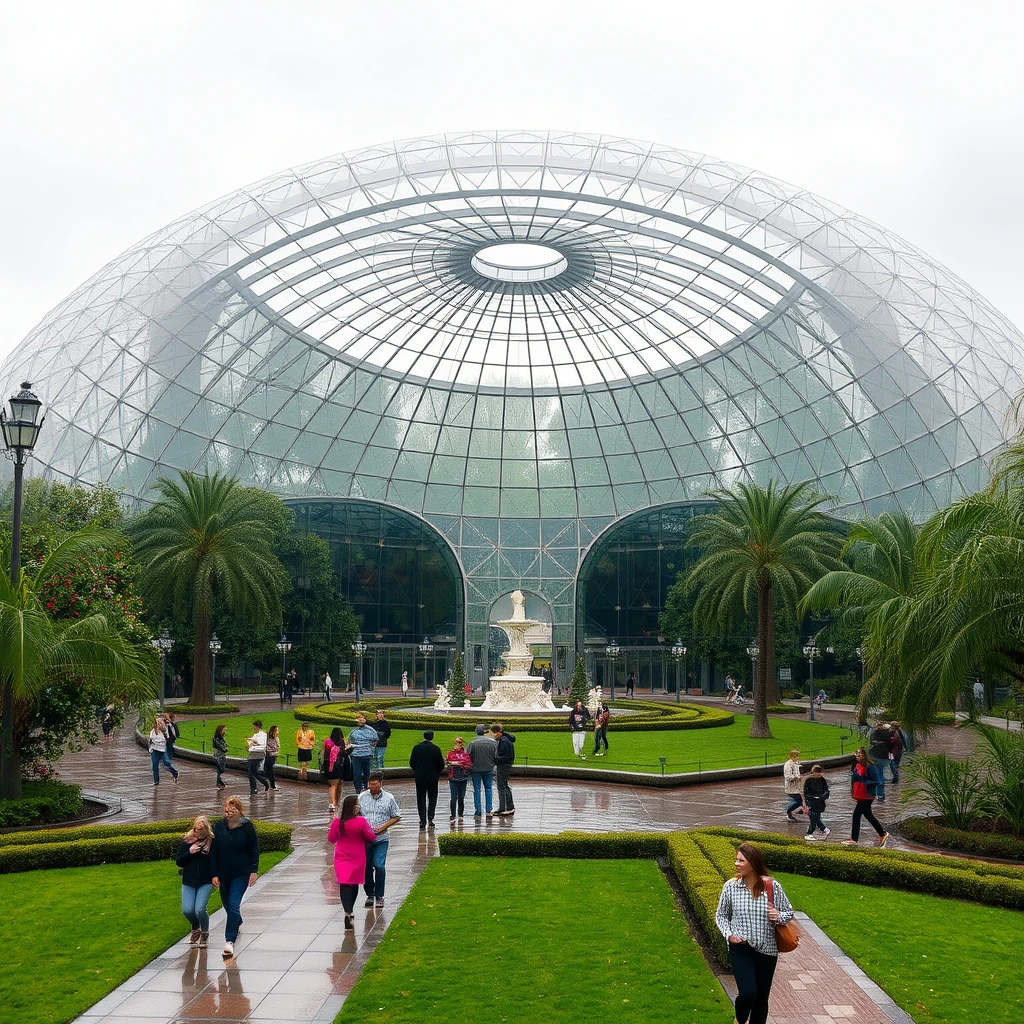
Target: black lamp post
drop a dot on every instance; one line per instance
(678, 651)
(21, 431)
(612, 650)
(215, 646)
(284, 646)
(426, 649)
(810, 653)
(358, 649)
(163, 643)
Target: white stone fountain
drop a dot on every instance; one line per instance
(517, 690)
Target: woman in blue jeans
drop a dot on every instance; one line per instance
(235, 863)
(193, 857)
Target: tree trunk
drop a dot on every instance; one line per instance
(759, 728)
(202, 689)
(772, 693)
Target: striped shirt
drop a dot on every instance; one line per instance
(378, 809)
(740, 914)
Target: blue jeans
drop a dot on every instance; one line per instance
(486, 779)
(600, 736)
(894, 768)
(231, 892)
(376, 873)
(193, 905)
(378, 758)
(796, 800)
(156, 757)
(880, 787)
(457, 794)
(361, 773)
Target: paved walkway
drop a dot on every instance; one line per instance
(293, 959)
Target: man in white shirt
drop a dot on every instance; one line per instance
(328, 684)
(257, 744)
(380, 809)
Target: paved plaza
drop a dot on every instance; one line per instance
(295, 963)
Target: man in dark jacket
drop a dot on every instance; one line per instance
(880, 740)
(427, 763)
(482, 754)
(503, 761)
(383, 729)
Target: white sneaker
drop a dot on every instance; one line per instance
(826, 833)
(811, 839)
(229, 950)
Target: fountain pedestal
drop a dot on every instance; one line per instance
(517, 690)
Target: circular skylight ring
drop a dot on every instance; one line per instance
(519, 262)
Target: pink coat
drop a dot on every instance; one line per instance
(350, 848)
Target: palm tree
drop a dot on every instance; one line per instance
(37, 650)
(208, 535)
(761, 546)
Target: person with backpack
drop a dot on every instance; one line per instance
(864, 783)
(816, 792)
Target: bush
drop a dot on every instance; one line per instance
(132, 843)
(951, 787)
(647, 717)
(41, 802)
(206, 710)
(935, 832)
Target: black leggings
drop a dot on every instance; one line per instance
(753, 972)
(348, 896)
(863, 810)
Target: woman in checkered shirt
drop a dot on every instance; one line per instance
(748, 920)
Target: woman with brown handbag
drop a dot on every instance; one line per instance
(750, 908)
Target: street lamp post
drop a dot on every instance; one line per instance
(753, 652)
(21, 431)
(612, 650)
(215, 646)
(163, 643)
(810, 653)
(678, 651)
(426, 649)
(284, 645)
(358, 649)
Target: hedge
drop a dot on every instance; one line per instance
(130, 845)
(645, 717)
(206, 710)
(41, 801)
(932, 832)
(584, 845)
(71, 835)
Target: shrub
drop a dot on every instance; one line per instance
(41, 802)
(457, 682)
(206, 710)
(1003, 758)
(935, 832)
(130, 845)
(952, 787)
(578, 685)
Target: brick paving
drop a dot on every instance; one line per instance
(294, 961)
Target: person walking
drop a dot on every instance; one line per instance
(362, 739)
(793, 785)
(504, 758)
(107, 723)
(193, 857)
(257, 746)
(291, 684)
(427, 763)
(351, 835)
(895, 751)
(405, 684)
(328, 686)
(336, 759)
(578, 719)
(751, 905)
(380, 809)
(864, 778)
(273, 752)
(730, 688)
(459, 767)
(305, 740)
(235, 865)
(878, 750)
(158, 751)
(173, 732)
(631, 684)
(601, 730)
(816, 792)
(482, 752)
(220, 753)
(382, 727)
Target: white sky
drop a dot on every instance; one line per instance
(115, 118)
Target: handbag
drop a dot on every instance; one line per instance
(787, 936)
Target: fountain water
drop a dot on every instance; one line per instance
(517, 690)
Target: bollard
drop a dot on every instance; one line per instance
(766, 759)
(663, 760)
(842, 744)
(204, 746)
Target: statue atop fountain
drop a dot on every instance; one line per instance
(517, 690)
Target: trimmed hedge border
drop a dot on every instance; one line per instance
(646, 717)
(932, 832)
(202, 710)
(41, 801)
(113, 844)
(702, 859)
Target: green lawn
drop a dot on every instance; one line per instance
(75, 934)
(685, 750)
(941, 960)
(536, 941)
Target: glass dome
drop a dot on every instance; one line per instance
(669, 324)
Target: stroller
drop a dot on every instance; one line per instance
(820, 698)
(739, 698)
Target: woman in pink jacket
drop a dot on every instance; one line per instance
(350, 833)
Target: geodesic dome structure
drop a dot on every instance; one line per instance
(523, 338)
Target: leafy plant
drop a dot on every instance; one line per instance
(952, 787)
(1003, 758)
(457, 682)
(579, 684)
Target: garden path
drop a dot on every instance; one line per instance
(294, 961)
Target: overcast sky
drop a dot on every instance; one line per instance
(117, 118)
